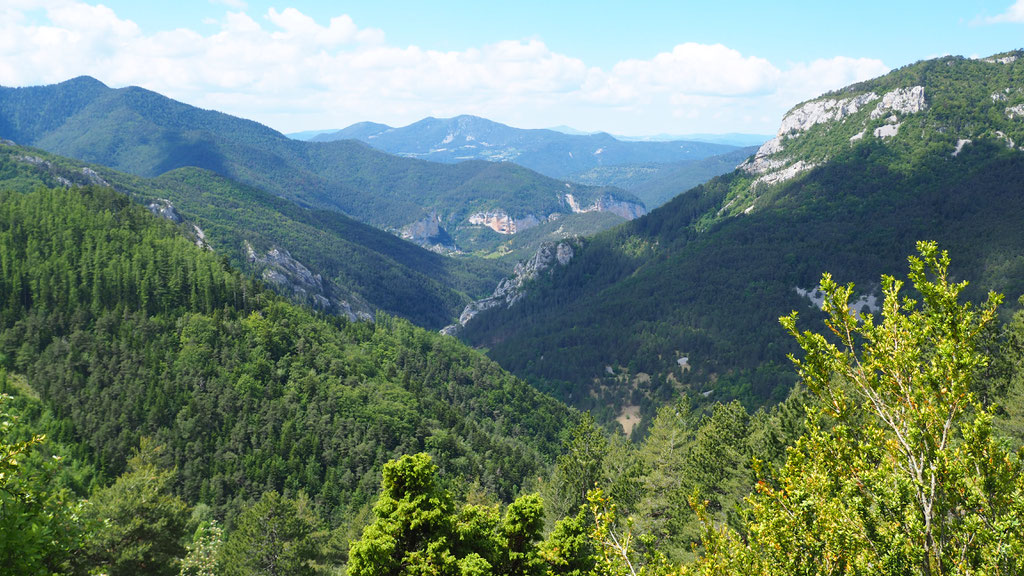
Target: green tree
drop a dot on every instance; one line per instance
(412, 533)
(140, 523)
(569, 549)
(579, 468)
(899, 470)
(418, 530)
(276, 536)
(40, 530)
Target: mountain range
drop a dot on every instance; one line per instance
(318, 257)
(551, 153)
(597, 159)
(470, 205)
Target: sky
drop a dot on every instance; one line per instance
(632, 68)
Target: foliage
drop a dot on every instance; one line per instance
(40, 532)
(899, 470)
(139, 523)
(418, 531)
(125, 329)
(203, 552)
(276, 536)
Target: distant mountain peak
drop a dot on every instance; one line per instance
(83, 81)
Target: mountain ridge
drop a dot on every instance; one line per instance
(550, 152)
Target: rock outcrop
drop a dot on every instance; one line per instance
(164, 209)
(429, 233)
(608, 203)
(772, 166)
(502, 223)
(290, 277)
(511, 289)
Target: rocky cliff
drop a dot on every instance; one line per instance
(290, 277)
(771, 164)
(512, 289)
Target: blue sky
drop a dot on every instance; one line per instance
(625, 67)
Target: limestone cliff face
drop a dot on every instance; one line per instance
(502, 223)
(429, 233)
(511, 289)
(608, 203)
(164, 209)
(771, 163)
(291, 278)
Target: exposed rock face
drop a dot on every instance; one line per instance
(887, 131)
(290, 277)
(164, 209)
(510, 290)
(1003, 60)
(1013, 112)
(608, 203)
(821, 111)
(902, 101)
(94, 178)
(865, 301)
(773, 167)
(200, 237)
(502, 223)
(787, 173)
(429, 233)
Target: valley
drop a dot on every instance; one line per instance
(462, 348)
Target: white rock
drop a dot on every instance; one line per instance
(887, 131)
(1004, 60)
(901, 100)
(960, 146)
(1015, 111)
(819, 111)
(787, 173)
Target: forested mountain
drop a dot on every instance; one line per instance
(551, 153)
(686, 297)
(124, 335)
(319, 257)
(141, 132)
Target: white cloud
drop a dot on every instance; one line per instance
(1014, 13)
(285, 69)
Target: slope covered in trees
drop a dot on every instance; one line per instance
(703, 277)
(127, 331)
(360, 265)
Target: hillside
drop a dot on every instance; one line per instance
(687, 297)
(551, 153)
(124, 330)
(146, 134)
(318, 257)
